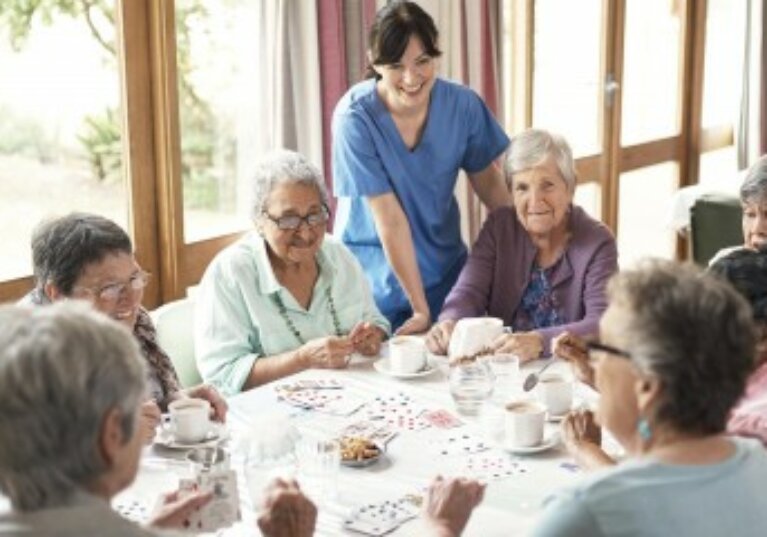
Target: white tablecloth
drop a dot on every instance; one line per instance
(510, 505)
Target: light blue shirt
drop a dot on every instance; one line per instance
(650, 499)
(237, 318)
(370, 158)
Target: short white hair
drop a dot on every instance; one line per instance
(530, 148)
(62, 368)
(283, 167)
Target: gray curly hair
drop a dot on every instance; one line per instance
(531, 147)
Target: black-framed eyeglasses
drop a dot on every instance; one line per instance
(592, 346)
(293, 222)
(113, 291)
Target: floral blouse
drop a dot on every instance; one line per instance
(538, 307)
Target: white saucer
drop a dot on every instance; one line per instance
(382, 366)
(550, 440)
(217, 433)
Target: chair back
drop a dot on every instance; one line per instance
(715, 223)
(174, 322)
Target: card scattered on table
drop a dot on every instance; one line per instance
(336, 401)
(375, 431)
(458, 443)
(381, 518)
(492, 466)
(398, 411)
(441, 419)
(310, 384)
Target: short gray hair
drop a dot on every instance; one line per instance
(283, 167)
(694, 333)
(754, 187)
(62, 368)
(530, 148)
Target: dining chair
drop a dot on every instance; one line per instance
(174, 322)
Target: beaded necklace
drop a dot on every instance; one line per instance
(288, 321)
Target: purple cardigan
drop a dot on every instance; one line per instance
(498, 270)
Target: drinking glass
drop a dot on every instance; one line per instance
(319, 463)
(505, 369)
(471, 383)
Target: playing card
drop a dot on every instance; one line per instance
(310, 384)
(381, 518)
(133, 509)
(492, 466)
(441, 419)
(337, 402)
(375, 431)
(222, 510)
(397, 411)
(458, 443)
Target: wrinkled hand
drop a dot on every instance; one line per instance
(578, 427)
(527, 345)
(366, 338)
(174, 512)
(286, 512)
(417, 324)
(450, 502)
(572, 348)
(438, 338)
(326, 353)
(149, 420)
(210, 394)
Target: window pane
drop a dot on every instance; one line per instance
(643, 228)
(719, 170)
(216, 44)
(588, 196)
(651, 70)
(60, 130)
(721, 83)
(566, 71)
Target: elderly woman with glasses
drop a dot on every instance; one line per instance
(285, 297)
(89, 257)
(541, 265)
(676, 350)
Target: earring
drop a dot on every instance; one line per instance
(644, 430)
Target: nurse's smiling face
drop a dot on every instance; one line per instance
(405, 86)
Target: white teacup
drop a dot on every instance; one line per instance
(472, 334)
(189, 419)
(555, 392)
(524, 423)
(407, 354)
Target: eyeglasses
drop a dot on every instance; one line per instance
(113, 291)
(592, 346)
(293, 222)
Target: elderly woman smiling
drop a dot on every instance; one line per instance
(89, 257)
(542, 265)
(285, 297)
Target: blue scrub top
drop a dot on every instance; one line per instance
(370, 158)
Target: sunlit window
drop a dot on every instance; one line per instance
(60, 147)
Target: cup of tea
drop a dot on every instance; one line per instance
(407, 354)
(555, 392)
(472, 334)
(524, 423)
(189, 419)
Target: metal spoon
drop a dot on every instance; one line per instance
(532, 379)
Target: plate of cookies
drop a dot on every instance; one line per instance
(358, 452)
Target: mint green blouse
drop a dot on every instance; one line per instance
(237, 318)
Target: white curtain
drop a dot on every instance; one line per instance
(749, 135)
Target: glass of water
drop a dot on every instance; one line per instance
(319, 463)
(505, 369)
(471, 383)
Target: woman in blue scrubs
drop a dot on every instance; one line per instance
(399, 140)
